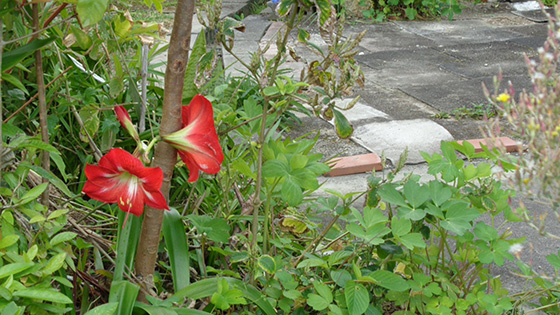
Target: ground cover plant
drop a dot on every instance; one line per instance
(187, 197)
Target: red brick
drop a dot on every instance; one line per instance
(356, 164)
(509, 144)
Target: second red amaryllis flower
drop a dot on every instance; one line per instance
(121, 178)
(197, 143)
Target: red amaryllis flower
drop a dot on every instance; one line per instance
(197, 143)
(121, 178)
(126, 122)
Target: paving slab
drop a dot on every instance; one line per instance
(360, 112)
(457, 94)
(387, 37)
(393, 137)
(536, 15)
(457, 32)
(486, 59)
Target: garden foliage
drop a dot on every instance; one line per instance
(252, 235)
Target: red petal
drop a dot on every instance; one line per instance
(122, 115)
(118, 160)
(132, 201)
(155, 199)
(199, 115)
(191, 165)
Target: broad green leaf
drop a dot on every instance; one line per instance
(105, 309)
(312, 262)
(33, 194)
(242, 167)
(439, 192)
(275, 168)
(323, 290)
(8, 241)
(291, 192)
(343, 127)
(270, 90)
(485, 232)
(303, 35)
(13, 57)
(341, 277)
(91, 11)
(389, 280)
(554, 260)
(267, 263)
(217, 229)
(57, 213)
(458, 227)
(14, 268)
(44, 295)
(177, 248)
(116, 86)
(206, 287)
(122, 25)
(391, 195)
(54, 264)
(62, 237)
(400, 226)
(124, 293)
(410, 13)
(415, 194)
(357, 298)
(317, 302)
(90, 118)
(82, 38)
(412, 240)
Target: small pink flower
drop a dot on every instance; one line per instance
(126, 122)
(121, 178)
(197, 143)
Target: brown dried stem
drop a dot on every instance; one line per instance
(166, 155)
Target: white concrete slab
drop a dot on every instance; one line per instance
(360, 111)
(393, 137)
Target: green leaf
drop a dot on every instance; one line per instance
(439, 193)
(127, 241)
(415, 194)
(91, 11)
(116, 86)
(177, 248)
(207, 287)
(217, 229)
(323, 290)
(6, 77)
(62, 237)
(270, 91)
(303, 35)
(105, 309)
(413, 240)
(124, 293)
(357, 298)
(33, 194)
(8, 241)
(317, 302)
(485, 232)
(400, 226)
(554, 260)
(341, 277)
(389, 280)
(83, 40)
(324, 10)
(410, 13)
(44, 295)
(48, 175)
(190, 89)
(242, 167)
(391, 195)
(54, 264)
(291, 192)
(267, 263)
(343, 127)
(312, 262)
(275, 168)
(12, 58)
(14, 268)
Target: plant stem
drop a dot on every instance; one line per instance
(165, 154)
(45, 157)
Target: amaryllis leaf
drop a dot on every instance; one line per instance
(177, 248)
(127, 241)
(124, 293)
